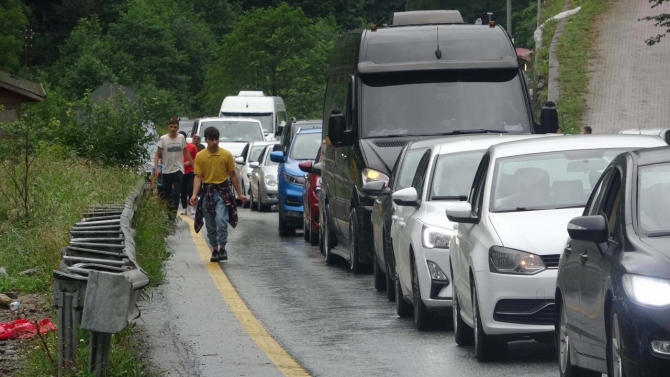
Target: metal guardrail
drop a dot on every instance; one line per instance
(98, 282)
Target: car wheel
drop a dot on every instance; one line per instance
(563, 347)
(486, 346)
(614, 360)
(252, 204)
(390, 270)
(354, 240)
(247, 204)
(463, 334)
(327, 238)
(379, 277)
(313, 236)
(284, 229)
(305, 231)
(262, 207)
(420, 312)
(402, 308)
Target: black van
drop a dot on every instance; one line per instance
(427, 74)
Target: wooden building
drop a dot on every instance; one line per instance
(14, 92)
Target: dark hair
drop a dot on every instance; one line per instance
(211, 133)
(174, 121)
(588, 129)
(183, 133)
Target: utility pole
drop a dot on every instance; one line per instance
(509, 19)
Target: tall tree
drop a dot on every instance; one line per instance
(278, 50)
(13, 21)
(662, 20)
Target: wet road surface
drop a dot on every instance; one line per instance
(332, 322)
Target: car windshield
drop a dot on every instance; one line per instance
(408, 168)
(548, 180)
(653, 201)
(264, 118)
(453, 175)
(234, 131)
(305, 146)
(432, 104)
(255, 152)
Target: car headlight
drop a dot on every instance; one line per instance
(435, 237)
(436, 272)
(270, 180)
(294, 179)
(646, 290)
(371, 175)
(509, 261)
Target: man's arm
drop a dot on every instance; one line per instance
(236, 185)
(197, 180)
(157, 156)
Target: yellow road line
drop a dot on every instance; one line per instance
(286, 364)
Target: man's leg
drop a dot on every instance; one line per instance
(210, 224)
(186, 189)
(176, 190)
(167, 187)
(222, 227)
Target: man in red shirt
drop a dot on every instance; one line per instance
(187, 186)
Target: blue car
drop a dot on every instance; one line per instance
(304, 146)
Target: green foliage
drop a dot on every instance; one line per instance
(660, 20)
(152, 225)
(13, 21)
(277, 50)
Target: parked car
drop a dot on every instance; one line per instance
(250, 153)
(419, 233)
(310, 199)
(512, 231)
(388, 86)
(663, 133)
(234, 133)
(290, 178)
(264, 182)
(613, 286)
(289, 131)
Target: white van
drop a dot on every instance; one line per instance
(270, 111)
(234, 133)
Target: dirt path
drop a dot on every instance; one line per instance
(630, 81)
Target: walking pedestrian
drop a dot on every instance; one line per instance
(187, 184)
(196, 142)
(215, 169)
(172, 150)
(587, 130)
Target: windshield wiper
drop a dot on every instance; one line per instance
(572, 206)
(450, 197)
(518, 209)
(478, 131)
(658, 234)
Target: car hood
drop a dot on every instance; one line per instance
(660, 244)
(291, 167)
(539, 232)
(234, 148)
(434, 213)
(271, 170)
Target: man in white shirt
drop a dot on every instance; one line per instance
(172, 150)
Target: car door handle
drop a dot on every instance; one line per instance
(583, 257)
(394, 217)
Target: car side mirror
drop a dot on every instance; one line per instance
(277, 157)
(588, 228)
(305, 166)
(280, 128)
(461, 212)
(548, 119)
(317, 168)
(239, 160)
(254, 164)
(336, 128)
(375, 188)
(406, 197)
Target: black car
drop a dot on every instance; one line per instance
(382, 211)
(613, 286)
(428, 74)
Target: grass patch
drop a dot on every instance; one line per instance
(152, 225)
(574, 53)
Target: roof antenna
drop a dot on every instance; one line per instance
(438, 52)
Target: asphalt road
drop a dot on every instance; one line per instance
(333, 323)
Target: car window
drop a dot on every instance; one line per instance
(305, 146)
(612, 204)
(408, 169)
(420, 176)
(549, 180)
(234, 131)
(593, 206)
(256, 152)
(653, 201)
(453, 174)
(477, 191)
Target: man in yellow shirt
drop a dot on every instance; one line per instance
(215, 170)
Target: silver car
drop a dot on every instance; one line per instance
(250, 153)
(264, 182)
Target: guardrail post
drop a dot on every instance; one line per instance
(68, 299)
(100, 345)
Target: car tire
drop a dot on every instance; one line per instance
(563, 346)
(487, 348)
(328, 240)
(354, 243)
(262, 207)
(379, 278)
(247, 204)
(402, 308)
(463, 334)
(390, 270)
(284, 229)
(253, 204)
(305, 231)
(313, 237)
(421, 315)
(614, 359)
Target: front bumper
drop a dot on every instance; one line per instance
(528, 300)
(435, 294)
(639, 326)
(291, 204)
(269, 195)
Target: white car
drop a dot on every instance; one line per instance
(264, 189)
(512, 231)
(234, 133)
(419, 231)
(251, 153)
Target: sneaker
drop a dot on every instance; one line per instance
(223, 255)
(215, 256)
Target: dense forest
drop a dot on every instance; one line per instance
(186, 55)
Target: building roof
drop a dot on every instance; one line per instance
(28, 89)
